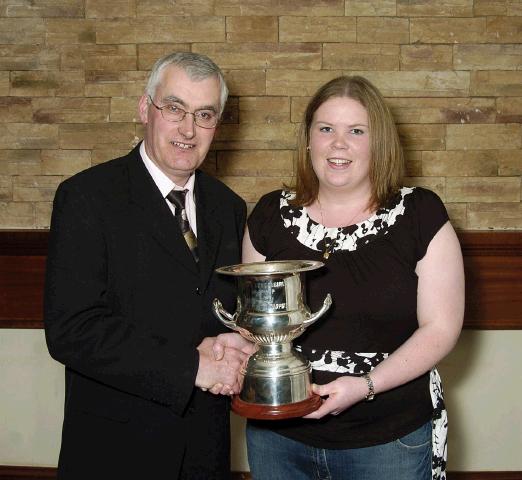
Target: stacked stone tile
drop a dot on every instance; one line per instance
(71, 72)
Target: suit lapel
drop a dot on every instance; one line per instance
(209, 228)
(155, 213)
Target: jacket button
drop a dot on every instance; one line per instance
(198, 291)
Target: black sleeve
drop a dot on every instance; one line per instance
(262, 219)
(430, 216)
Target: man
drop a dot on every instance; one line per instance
(128, 298)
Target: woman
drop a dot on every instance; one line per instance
(394, 268)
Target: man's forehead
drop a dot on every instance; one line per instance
(174, 75)
(176, 85)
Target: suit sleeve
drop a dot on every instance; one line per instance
(85, 329)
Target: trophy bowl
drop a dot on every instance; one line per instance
(271, 312)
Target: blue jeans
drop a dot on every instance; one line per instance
(274, 457)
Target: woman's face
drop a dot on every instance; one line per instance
(340, 145)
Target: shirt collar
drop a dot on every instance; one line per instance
(164, 183)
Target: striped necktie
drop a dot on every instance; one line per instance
(177, 198)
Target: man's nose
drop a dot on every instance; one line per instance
(187, 127)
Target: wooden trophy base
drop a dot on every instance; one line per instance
(275, 412)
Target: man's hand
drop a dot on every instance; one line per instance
(232, 340)
(223, 342)
(219, 376)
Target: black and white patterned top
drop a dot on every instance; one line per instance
(370, 274)
(314, 235)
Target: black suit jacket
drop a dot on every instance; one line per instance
(125, 308)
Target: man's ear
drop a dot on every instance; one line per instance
(143, 109)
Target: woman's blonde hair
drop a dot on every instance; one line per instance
(387, 159)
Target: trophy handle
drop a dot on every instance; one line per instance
(315, 316)
(223, 315)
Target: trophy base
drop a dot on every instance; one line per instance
(257, 411)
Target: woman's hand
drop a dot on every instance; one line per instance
(341, 394)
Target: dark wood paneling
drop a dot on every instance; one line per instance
(493, 263)
(21, 291)
(39, 473)
(23, 242)
(22, 269)
(29, 473)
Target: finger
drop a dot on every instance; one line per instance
(235, 340)
(316, 389)
(225, 390)
(216, 388)
(228, 343)
(313, 414)
(232, 391)
(250, 348)
(326, 408)
(317, 415)
(235, 388)
(218, 350)
(231, 340)
(234, 358)
(241, 356)
(323, 390)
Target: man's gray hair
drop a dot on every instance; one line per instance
(197, 66)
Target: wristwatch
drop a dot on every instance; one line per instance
(371, 390)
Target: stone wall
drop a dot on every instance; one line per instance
(71, 72)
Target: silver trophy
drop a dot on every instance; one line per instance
(271, 312)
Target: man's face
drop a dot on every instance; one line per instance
(178, 148)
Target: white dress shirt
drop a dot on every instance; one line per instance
(165, 185)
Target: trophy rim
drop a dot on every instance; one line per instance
(269, 268)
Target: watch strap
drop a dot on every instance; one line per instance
(371, 390)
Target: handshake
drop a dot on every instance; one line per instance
(220, 361)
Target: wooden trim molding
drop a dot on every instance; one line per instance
(45, 473)
(492, 260)
(23, 242)
(27, 473)
(22, 269)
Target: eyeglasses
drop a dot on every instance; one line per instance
(202, 118)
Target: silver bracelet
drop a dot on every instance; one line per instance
(371, 390)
